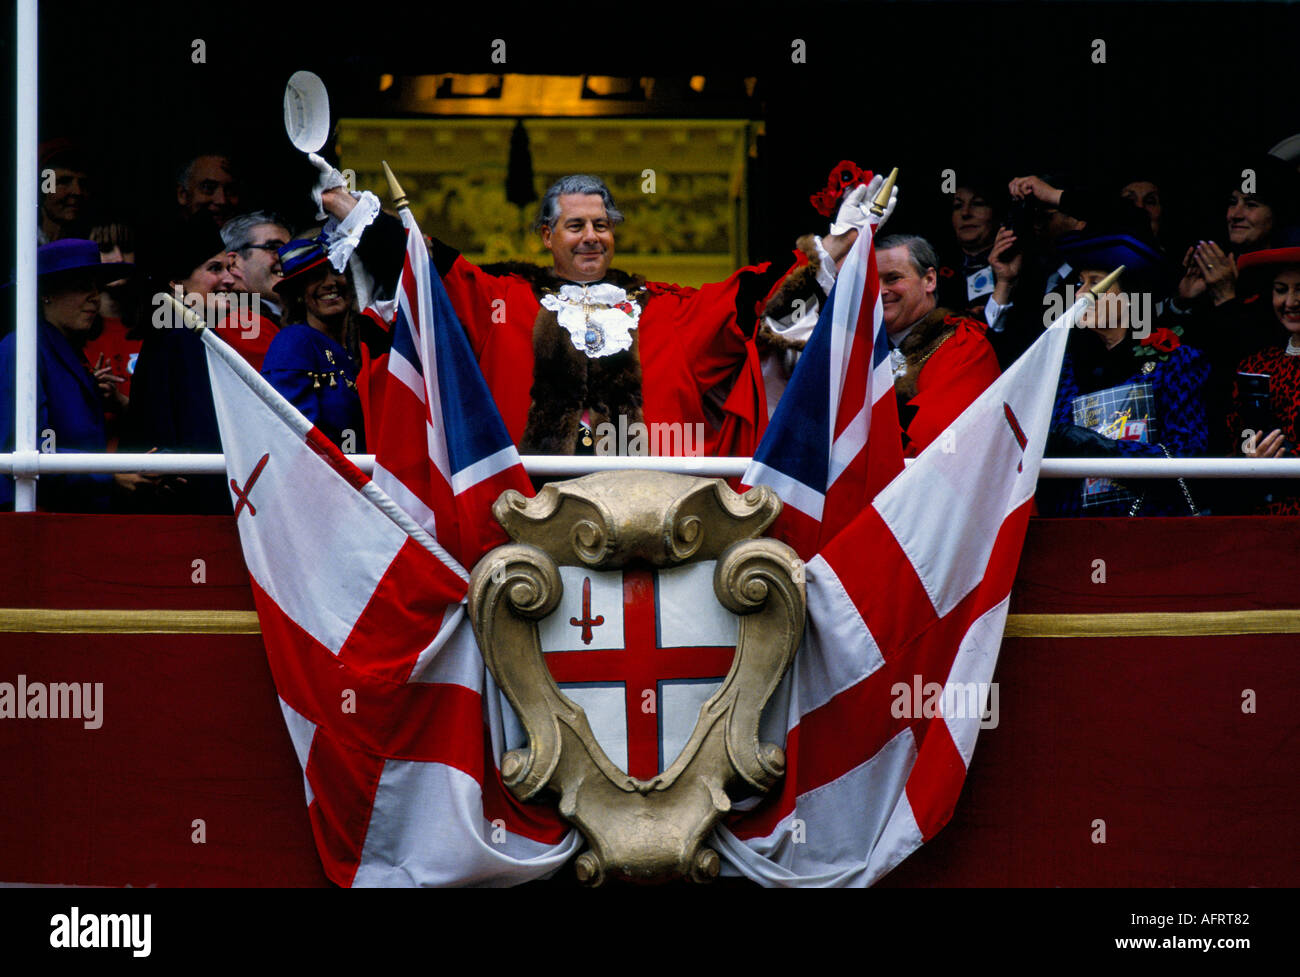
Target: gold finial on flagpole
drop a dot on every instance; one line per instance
(395, 188)
(1104, 285)
(882, 198)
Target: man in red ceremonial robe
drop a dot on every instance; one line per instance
(579, 349)
(942, 361)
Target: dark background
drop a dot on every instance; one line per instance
(1006, 86)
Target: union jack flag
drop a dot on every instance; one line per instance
(441, 450)
(834, 440)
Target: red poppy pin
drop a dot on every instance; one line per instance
(1161, 342)
(845, 175)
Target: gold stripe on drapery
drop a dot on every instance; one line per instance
(1158, 624)
(40, 620)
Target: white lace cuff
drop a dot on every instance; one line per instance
(825, 273)
(342, 237)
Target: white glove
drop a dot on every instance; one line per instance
(855, 210)
(853, 215)
(329, 179)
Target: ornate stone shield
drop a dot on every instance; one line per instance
(649, 828)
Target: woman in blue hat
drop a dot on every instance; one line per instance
(70, 395)
(1127, 390)
(313, 361)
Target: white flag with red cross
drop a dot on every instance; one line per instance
(391, 711)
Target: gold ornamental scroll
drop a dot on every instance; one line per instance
(649, 830)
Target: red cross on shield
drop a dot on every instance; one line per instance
(657, 644)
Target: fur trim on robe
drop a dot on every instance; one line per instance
(566, 382)
(935, 329)
(801, 284)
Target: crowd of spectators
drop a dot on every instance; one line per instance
(1195, 352)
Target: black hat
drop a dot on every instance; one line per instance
(1274, 183)
(172, 252)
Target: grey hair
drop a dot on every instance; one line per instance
(237, 232)
(919, 250)
(549, 212)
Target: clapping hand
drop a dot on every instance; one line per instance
(1219, 270)
(1192, 285)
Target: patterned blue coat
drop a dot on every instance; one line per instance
(1178, 385)
(318, 376)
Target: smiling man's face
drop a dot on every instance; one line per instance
(256, 264)
(905, 294)
(582, 240)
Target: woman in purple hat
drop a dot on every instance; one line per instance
(313, 361)
(70, 395)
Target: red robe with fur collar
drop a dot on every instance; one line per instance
(949, 364)
(697, 356)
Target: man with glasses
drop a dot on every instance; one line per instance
(252, 241)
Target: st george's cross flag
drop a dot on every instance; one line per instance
(834, 442)
(906, 608)
(395, 722)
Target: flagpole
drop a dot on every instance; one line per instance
(1071, 316)
(302, 427)
(26, 225)
(400, 200)
(886, 189)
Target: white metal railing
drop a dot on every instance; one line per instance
(36, 463)
(26, 227)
